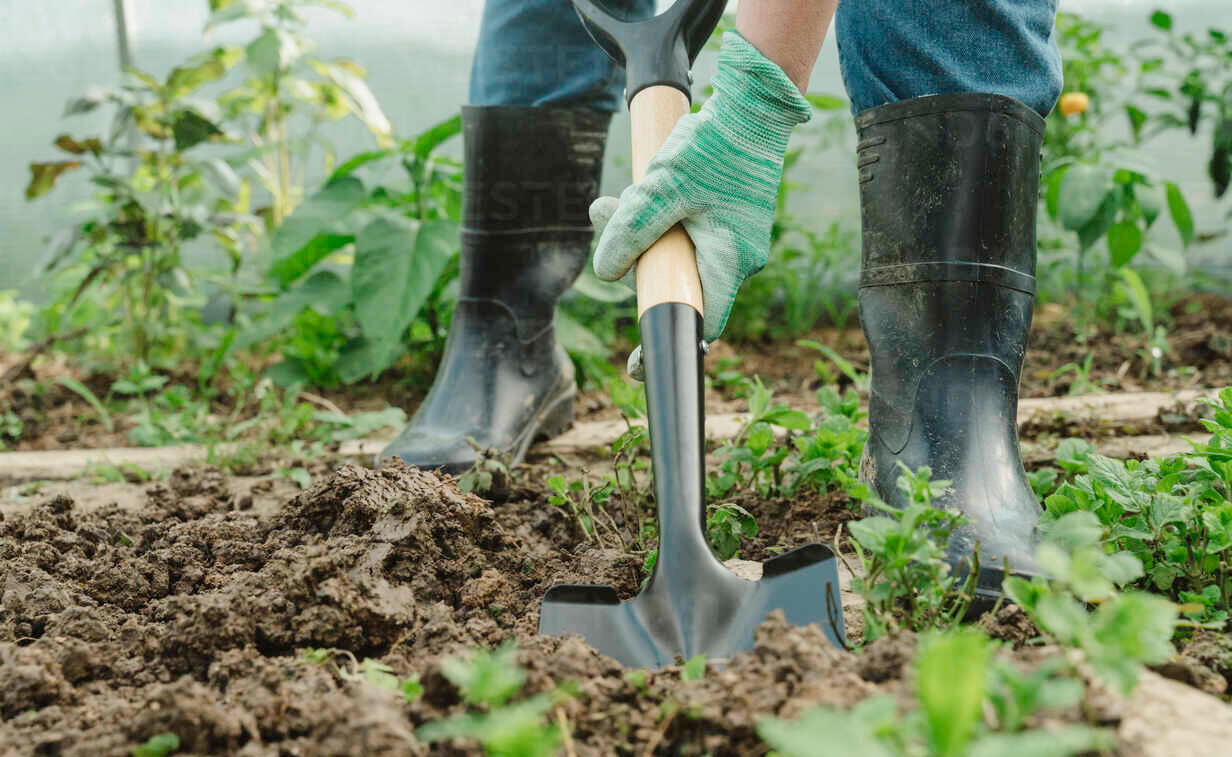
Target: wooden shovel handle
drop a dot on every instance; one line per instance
(667, 272)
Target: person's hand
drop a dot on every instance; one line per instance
(718, 173)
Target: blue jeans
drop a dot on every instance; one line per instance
(536, 52)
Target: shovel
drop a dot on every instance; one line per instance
(691, 604)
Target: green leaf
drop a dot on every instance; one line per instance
(1138, 297)
(190, 128)
(81, 390)
(184, 79)
(316, 215)
(289, 269)
(358, 160)
(576, 338)
(951, 678)
(397, 263)
(86, 102)
(1179, 209)
(1137, 117)
(1150, 200)
(1099, 224)
(364, 358)
(1162, 20)
(158, 746)
(694, 669)
(224, 11)
(1053, 742)
(824, 732)
(785, 417)
(358, 97)
(825, 102)
(1081, 194)
(272, 52)
(73, 147)
(43, 176)
(590, 285)
(489, 678)
(435, 135)
(1052, 198)
(1124, 241)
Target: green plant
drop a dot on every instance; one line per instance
(1096, 184)
(286, 86)
(958, 680)
(151, 201)
(159, 745)
(353, 267)
(753, 461)
(904, 577)
(490, 473)
(1126, 630)
(487, 682)
(586, 503)
(1173, 515)
(16, 318)
(382, 676)
(726, 526)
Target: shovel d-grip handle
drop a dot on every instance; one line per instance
(656, 54)
(667, 271)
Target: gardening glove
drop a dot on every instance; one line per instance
(718, 173)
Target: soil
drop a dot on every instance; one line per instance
(54, 417)
(191, 615)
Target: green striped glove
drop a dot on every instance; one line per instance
(718, 173)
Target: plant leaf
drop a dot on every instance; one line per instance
(952, 675)
(825, 102)
(43, 176)
(315, 216)
(1124, 241)
(190, 129)
(1179, 209)
(1082, 192)
(397, 263)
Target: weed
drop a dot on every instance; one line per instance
(905, 579)
(81, 390)
(487, 682)
(490, 474)
(694, 669)
(299, 475)
(585, 502)
(159, 745)
(958, 679)
(1173, 515)
(1126, 630)
(726, 526)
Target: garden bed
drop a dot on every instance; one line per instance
(200, 615)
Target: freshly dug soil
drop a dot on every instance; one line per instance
(191, 616)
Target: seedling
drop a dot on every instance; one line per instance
(487, 682)
(957, 681)
(905, 578)
(160, 745)
(726, 526)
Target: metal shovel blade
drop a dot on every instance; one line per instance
(719, 620)
(692, 604)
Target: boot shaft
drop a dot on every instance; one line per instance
(530, 176)
(948, 188)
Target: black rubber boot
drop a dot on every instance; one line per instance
(948, 188)
(530, 176)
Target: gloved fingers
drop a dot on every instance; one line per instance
(601, 212)
(720, 268)
(644, 213)
(634, 366)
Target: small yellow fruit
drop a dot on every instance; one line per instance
(1073, 103)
